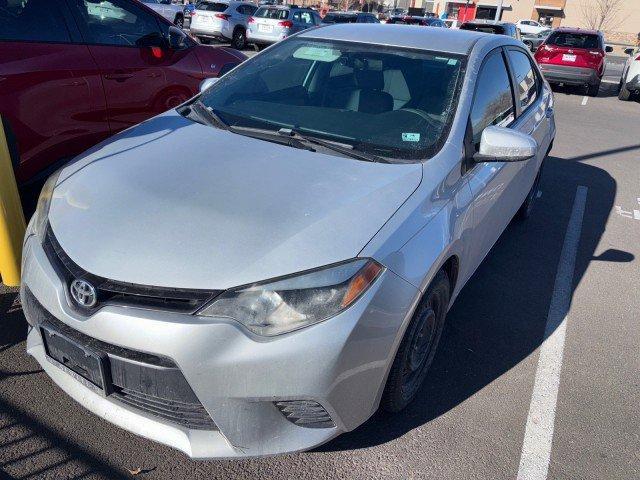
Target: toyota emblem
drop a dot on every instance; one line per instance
(83, 293)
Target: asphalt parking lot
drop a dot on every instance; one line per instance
(540, 351)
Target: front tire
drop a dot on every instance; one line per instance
(418, 346)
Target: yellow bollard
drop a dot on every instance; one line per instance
(12, 224)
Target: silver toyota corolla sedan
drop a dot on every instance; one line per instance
(262, 268)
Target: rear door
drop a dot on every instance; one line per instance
(51, 93)
(574, 49)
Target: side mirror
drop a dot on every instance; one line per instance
(499, 144)
(608, 49)
(177, 39)
(629, 51)
(207, 83)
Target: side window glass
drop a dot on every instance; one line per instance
(296, 17)
(114, 22)
(306, 18)
(526, 80)
(32, 21)
(251, 9)
(493, 101)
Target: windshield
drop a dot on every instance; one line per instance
(392, 102)
(273, 13)
(574, 40)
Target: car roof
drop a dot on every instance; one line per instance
(408, 36)
(578, 30)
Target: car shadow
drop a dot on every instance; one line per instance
(500, 316)
(606, 90)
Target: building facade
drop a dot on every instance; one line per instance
(622, 26)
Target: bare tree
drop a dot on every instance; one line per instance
(601, 14)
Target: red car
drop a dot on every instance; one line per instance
(574, 57)
(74, 72)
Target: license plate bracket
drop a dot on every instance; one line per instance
(568, 57)
(89, 367)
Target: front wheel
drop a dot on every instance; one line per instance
(239, 39)
(418, 346)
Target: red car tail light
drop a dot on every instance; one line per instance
(286, 24)
(223, 16)
(251, 20)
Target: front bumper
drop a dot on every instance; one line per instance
(569, 75)
(341, 364)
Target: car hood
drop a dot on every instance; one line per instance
(174, 203)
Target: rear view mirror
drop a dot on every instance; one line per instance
(177, 39)
(608, 49)
(206, 83)
(499, 144)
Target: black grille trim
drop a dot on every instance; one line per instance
(142, 381)
(113, 292)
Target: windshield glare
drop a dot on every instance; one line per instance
(393, 102)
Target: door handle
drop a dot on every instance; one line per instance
(75, 83)
(118, 76)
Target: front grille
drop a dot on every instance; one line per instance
(143, 381)
(188, 415)
(112, 292)
(305, 413)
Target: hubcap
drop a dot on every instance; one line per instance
(420, 348)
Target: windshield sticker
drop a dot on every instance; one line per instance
(410, 137)
(319, 54)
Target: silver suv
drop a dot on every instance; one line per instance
(270, 24)
(222, 20)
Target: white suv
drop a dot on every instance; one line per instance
(530, 27)
(630, 81)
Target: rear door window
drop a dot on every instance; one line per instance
(574, 40)
(116, 22)
(526, 79)
(32, 21)
(493, 100)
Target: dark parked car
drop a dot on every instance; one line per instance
(489, 26)
(411, 20)
(574, 57)
(74, 72)
(350, 17)
(534, 40)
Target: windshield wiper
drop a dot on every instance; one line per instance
(271, 136)
(342, 148)
(207, 115)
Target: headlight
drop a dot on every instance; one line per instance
(42, 209)
(297, 301)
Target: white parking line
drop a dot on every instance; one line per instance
(585, 100)
(538, 436)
